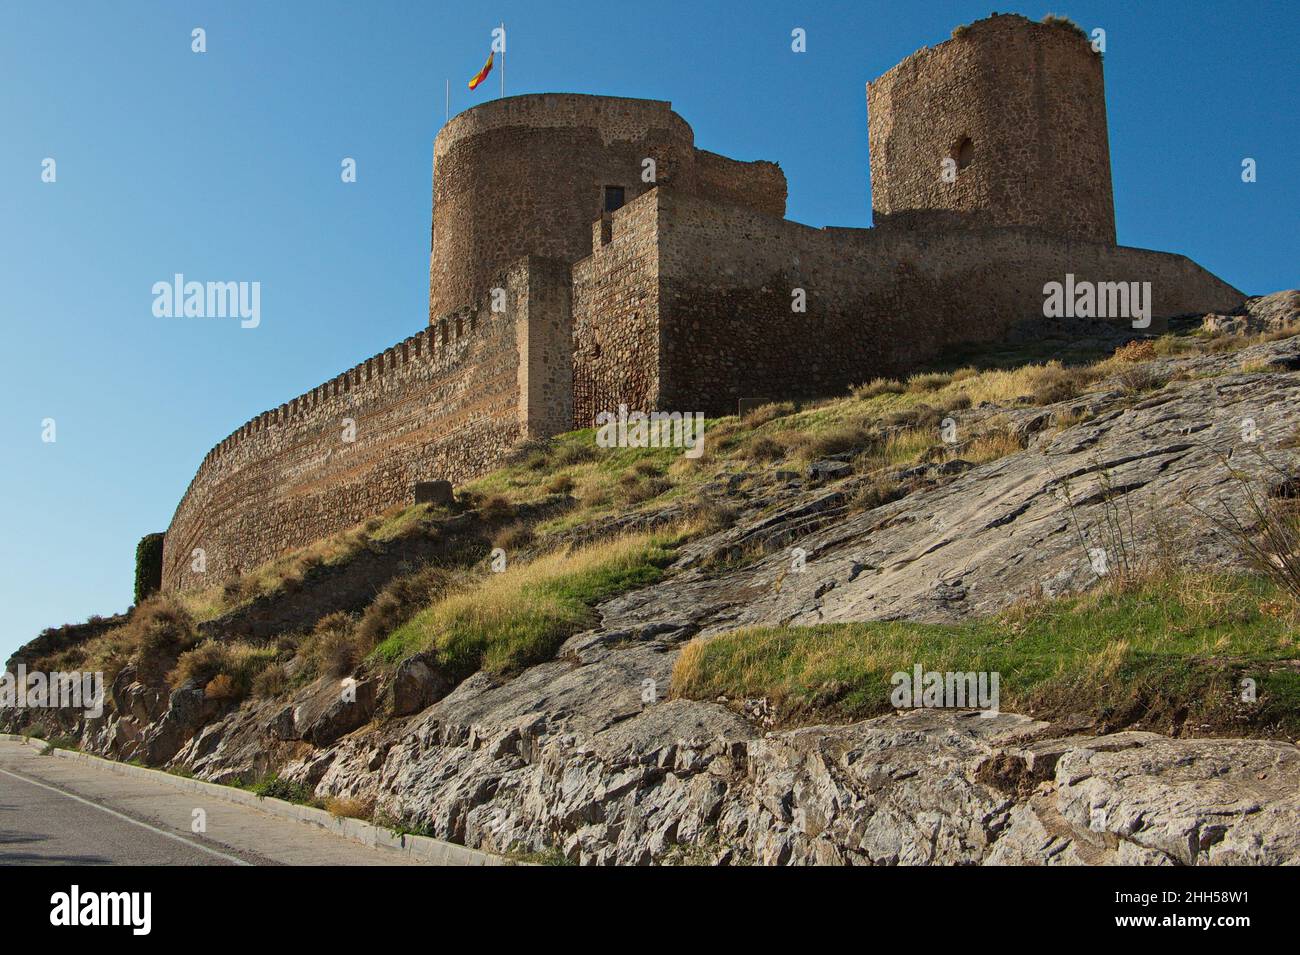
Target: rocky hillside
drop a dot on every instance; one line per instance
(690, 661)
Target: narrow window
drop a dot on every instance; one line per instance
(613, 198)
(963, 150)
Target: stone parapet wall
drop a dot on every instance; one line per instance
(446, 403)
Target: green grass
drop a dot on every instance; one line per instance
(1172, 649)
(521, 616)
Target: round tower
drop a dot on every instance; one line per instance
(1003, 125)
(530, 174)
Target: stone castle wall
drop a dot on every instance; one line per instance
(719, 281)
(1029, 99)
(445, 403)
(616, 321)
(525, 175)
(681, 300)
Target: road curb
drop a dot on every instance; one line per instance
(417, 848)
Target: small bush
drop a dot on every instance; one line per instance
(876, 493)
(770, 412)
(841, 440)
(148, 566)
(161, 625)
(956, 402)
(1053, 383)
(273, 787)
(1135, 379)
(931, 381)
(877, 386)
(397, 603)
(560, 484)
(513, 537)
(271, 682)
(1135, 351)
(496, 508)
(220, 687)
(638, 491)
(918, 417)
(710, 515)
(1065, 23)
(350, 807)
(238, 663)
(763, 448)
(571, 453)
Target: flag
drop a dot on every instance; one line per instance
(482, 74)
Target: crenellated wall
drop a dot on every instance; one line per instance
(447, 402)
(681, 299)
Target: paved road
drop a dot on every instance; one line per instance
(69, 812)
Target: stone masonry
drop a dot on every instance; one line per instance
(586, 254)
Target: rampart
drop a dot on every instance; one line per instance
(447, 402)
(710, 317)
(688, 290)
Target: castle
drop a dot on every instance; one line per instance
(585, 254)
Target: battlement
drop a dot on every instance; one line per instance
(585, 255)
(445, 403)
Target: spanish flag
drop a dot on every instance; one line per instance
(482, 74)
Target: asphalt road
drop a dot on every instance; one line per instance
(57, 811)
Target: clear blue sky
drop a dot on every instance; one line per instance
(225, 165)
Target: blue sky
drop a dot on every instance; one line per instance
(225, 166)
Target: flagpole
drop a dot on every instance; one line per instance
(503, 59)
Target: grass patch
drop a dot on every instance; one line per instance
(1169, 650)
(520, 617)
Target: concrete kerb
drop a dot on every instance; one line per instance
(418, 848)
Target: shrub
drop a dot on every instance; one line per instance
(573, 452)
(956, 402)
(273, 787)
(560, 484)
(931, 381)
(350, 807)
(841, 440)
(397, 603)
(761, 415)
(239, 663)
(709, 515)
(220, 687)
(496, 508)
(1065, 23)
(161, 625)
(636, 491)
(1135, 379)
(763, 448)
(270, 682)
(148, 566)
(875, 493)
(877, 386)
(1052, 383)
(1135, 351)
(513, 537)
